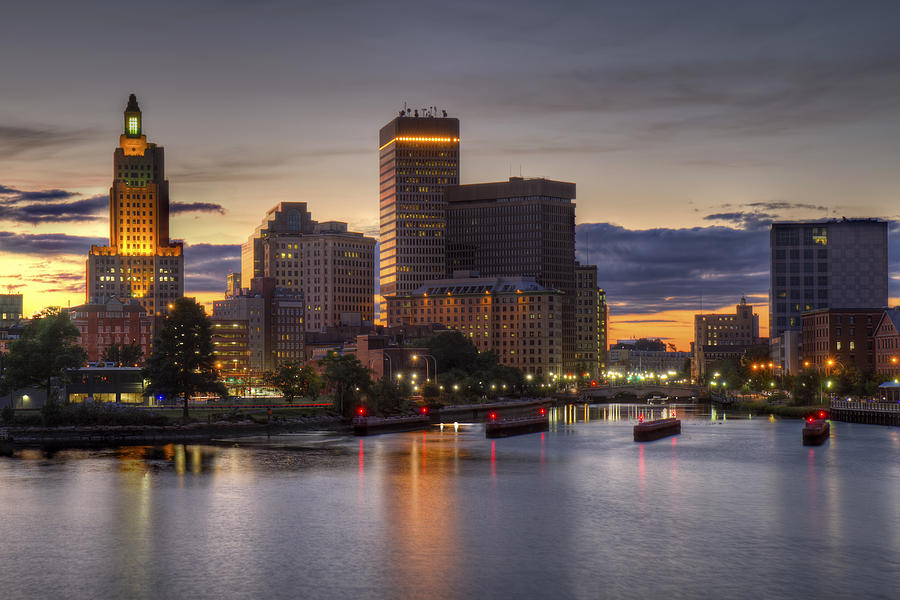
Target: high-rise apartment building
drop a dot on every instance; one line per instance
(826, 264)
(140, 261)
(418, 157)
(331, 267)
(521, 227)
(602, 329)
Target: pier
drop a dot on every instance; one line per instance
(872, 413)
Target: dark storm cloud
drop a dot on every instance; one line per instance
(46, 243)
(206, 265)
(49, 206)
(186, 207)
(670, 269)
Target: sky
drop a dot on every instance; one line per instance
(687, 126)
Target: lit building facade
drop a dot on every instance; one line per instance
(602, 328)
(840, 338)
(521, 227)
(230, 339)
(587, 320)
(274, 318)
(719, 337)
(418, 157)
(331, 267)
(515, 317)
(887, 343)
(112, 322)
(826, 264)
(337, 277)
(140, 261)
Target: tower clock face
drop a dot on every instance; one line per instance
(133, 125)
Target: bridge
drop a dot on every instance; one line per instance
(608, 392)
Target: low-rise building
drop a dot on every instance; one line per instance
(515, 317)
(723, 337)
(887, 343)
(112, 322)
(840, 337)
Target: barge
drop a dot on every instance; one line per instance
(367, 425)
(496, 427)
(653, 430)
(815, 431)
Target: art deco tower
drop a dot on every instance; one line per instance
(418, 156)
(140, 261)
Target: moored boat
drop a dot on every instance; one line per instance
(497, 427)
(653, 430)
(364, 424)
(815, 431)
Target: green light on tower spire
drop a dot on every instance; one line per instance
(132, 117)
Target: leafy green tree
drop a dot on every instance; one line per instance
(806, 387)
(346, 377)
(452, 350)
(293, 380)
(183, 362)
(46, 350)
(386, 395)
(123, 354)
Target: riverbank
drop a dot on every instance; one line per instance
(130, 435)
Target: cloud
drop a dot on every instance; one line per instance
(16, 140)
(660, 269)
(46, 243)
(185, 207)
(206, 266)
(49, 206)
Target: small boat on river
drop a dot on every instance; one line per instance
(653, 430)
(497, 427)
(815, 431)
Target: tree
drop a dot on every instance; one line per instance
(293, 380)
(346, 376)
(123, 354)
(183, 362)
(47, 349)
(452, 350)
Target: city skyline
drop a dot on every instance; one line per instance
(680, 162)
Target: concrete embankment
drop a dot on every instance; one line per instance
(88, 436)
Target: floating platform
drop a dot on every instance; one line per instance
(815, 432)
(496, 428)
(653, 430)
(364, 425)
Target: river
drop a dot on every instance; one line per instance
(731, 508)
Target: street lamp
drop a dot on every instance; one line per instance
(425, 357)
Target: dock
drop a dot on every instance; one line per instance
(872, 413)
(497, 427)
(653, 430)
(368, 425)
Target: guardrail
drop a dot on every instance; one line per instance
(873, 413)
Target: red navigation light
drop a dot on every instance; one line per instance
(593, 383)
(424, 410)
(492, 416)
(640, 418)
(542, 411)
(361, 411)
(810, 419)
(821, 414)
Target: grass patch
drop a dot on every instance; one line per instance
(761, 407)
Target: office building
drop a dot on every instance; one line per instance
(825, 264)
(515, 317)
(274, 318)
(588, 320)
(10, 310)
(518, 228)
(418, 157)
(231, 344)
(602, 329)
(840, 338)
(140, 261)
(720, 337)
(331, 267)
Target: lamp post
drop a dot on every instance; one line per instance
(425, 357)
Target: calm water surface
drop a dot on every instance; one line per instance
(729, 509)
